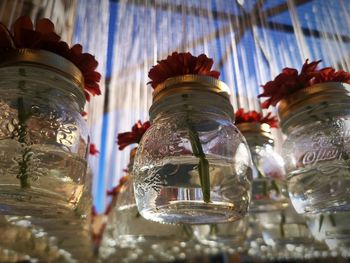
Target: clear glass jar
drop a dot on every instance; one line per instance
(331, 228)
(316, 121)
(232, 234)
(127, 231)
(285, 227)
(43, 137)
(192, 165)
(268, 186)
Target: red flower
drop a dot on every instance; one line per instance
(330, 75)
(259, 197)
(6, 40)
(44, 37)
(115, 190)
(83, 113)
(288, 82)
(127, 138)
(253, 116)
(108, 209)
(178, 64)
(93, 150)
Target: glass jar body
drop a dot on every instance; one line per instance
(230, 234)
(331, 228)
(43, 142)
(316, 154)
(284, 227)
(127, 229)
(268, 186)
(168, 183)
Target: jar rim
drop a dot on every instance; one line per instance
(185, 83)
(261, 129)
(47, 60)
(330, 92)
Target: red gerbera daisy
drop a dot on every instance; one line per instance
(43, 36)
(178, 64)
(254, 116)
(134, 136)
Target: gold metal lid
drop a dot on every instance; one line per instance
(190, 84)
(44, 59)
(257, 128)
(330, 92)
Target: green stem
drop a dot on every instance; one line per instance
(332, 219)
(187, 230)
(275, 186)
(203, 165)
(282, 223)
(264, 189)
(321, 223)
(22, 132)
(213, 230)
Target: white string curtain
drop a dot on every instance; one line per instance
(91, 31)
(60, 12)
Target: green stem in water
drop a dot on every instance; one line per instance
(203, 165)
(187, 230)
(275, 186)
(264, 189)
(283, 221)
(213, 230)
(26, 156)
(321, 223)
(332, 219)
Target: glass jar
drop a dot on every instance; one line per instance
(192, 165)
(285, 227)
(316, 121)
(43, 137)
(332, 228)
(127, 232)
(230, 234)
(268, 186)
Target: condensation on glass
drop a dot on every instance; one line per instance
(191, 119)
(43, 137)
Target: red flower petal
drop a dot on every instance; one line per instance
(23, 22)
(6, 41)
(289, 81)
(253, 116)
(44, 26)
(93, 88)
(137, 131)
(178, 64)
(44, 37)
(93, 150)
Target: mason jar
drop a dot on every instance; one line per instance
(232, 234)
(268, 185)
(192, 165)
(126, 230)
(285, 227)
(316, 121)
(331, 228)
(43, 137)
